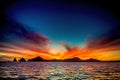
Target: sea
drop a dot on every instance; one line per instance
(60, 71)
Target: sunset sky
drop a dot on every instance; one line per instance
(59, 30)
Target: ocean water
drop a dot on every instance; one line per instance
(60, 71)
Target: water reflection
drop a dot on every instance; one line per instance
(59, 70)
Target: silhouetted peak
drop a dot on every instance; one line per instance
(22, 60)
(75, 59)
(92, 60)
(14, 60)
(36, 59)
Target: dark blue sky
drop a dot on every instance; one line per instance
(68, 22)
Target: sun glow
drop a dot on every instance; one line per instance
(84, 53)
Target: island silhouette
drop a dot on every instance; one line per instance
(22, 60)
(36, 59)
(74, 59)
(40, 59)
(15, 60)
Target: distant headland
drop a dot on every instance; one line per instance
(75, 59)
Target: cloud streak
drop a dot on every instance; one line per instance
(100, 47)
(15, 37)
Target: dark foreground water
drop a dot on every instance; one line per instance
(60, 71)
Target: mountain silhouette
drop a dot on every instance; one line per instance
(22, 60)
(14, 60)
(92, 60)
(75, 59)
(36, 59)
